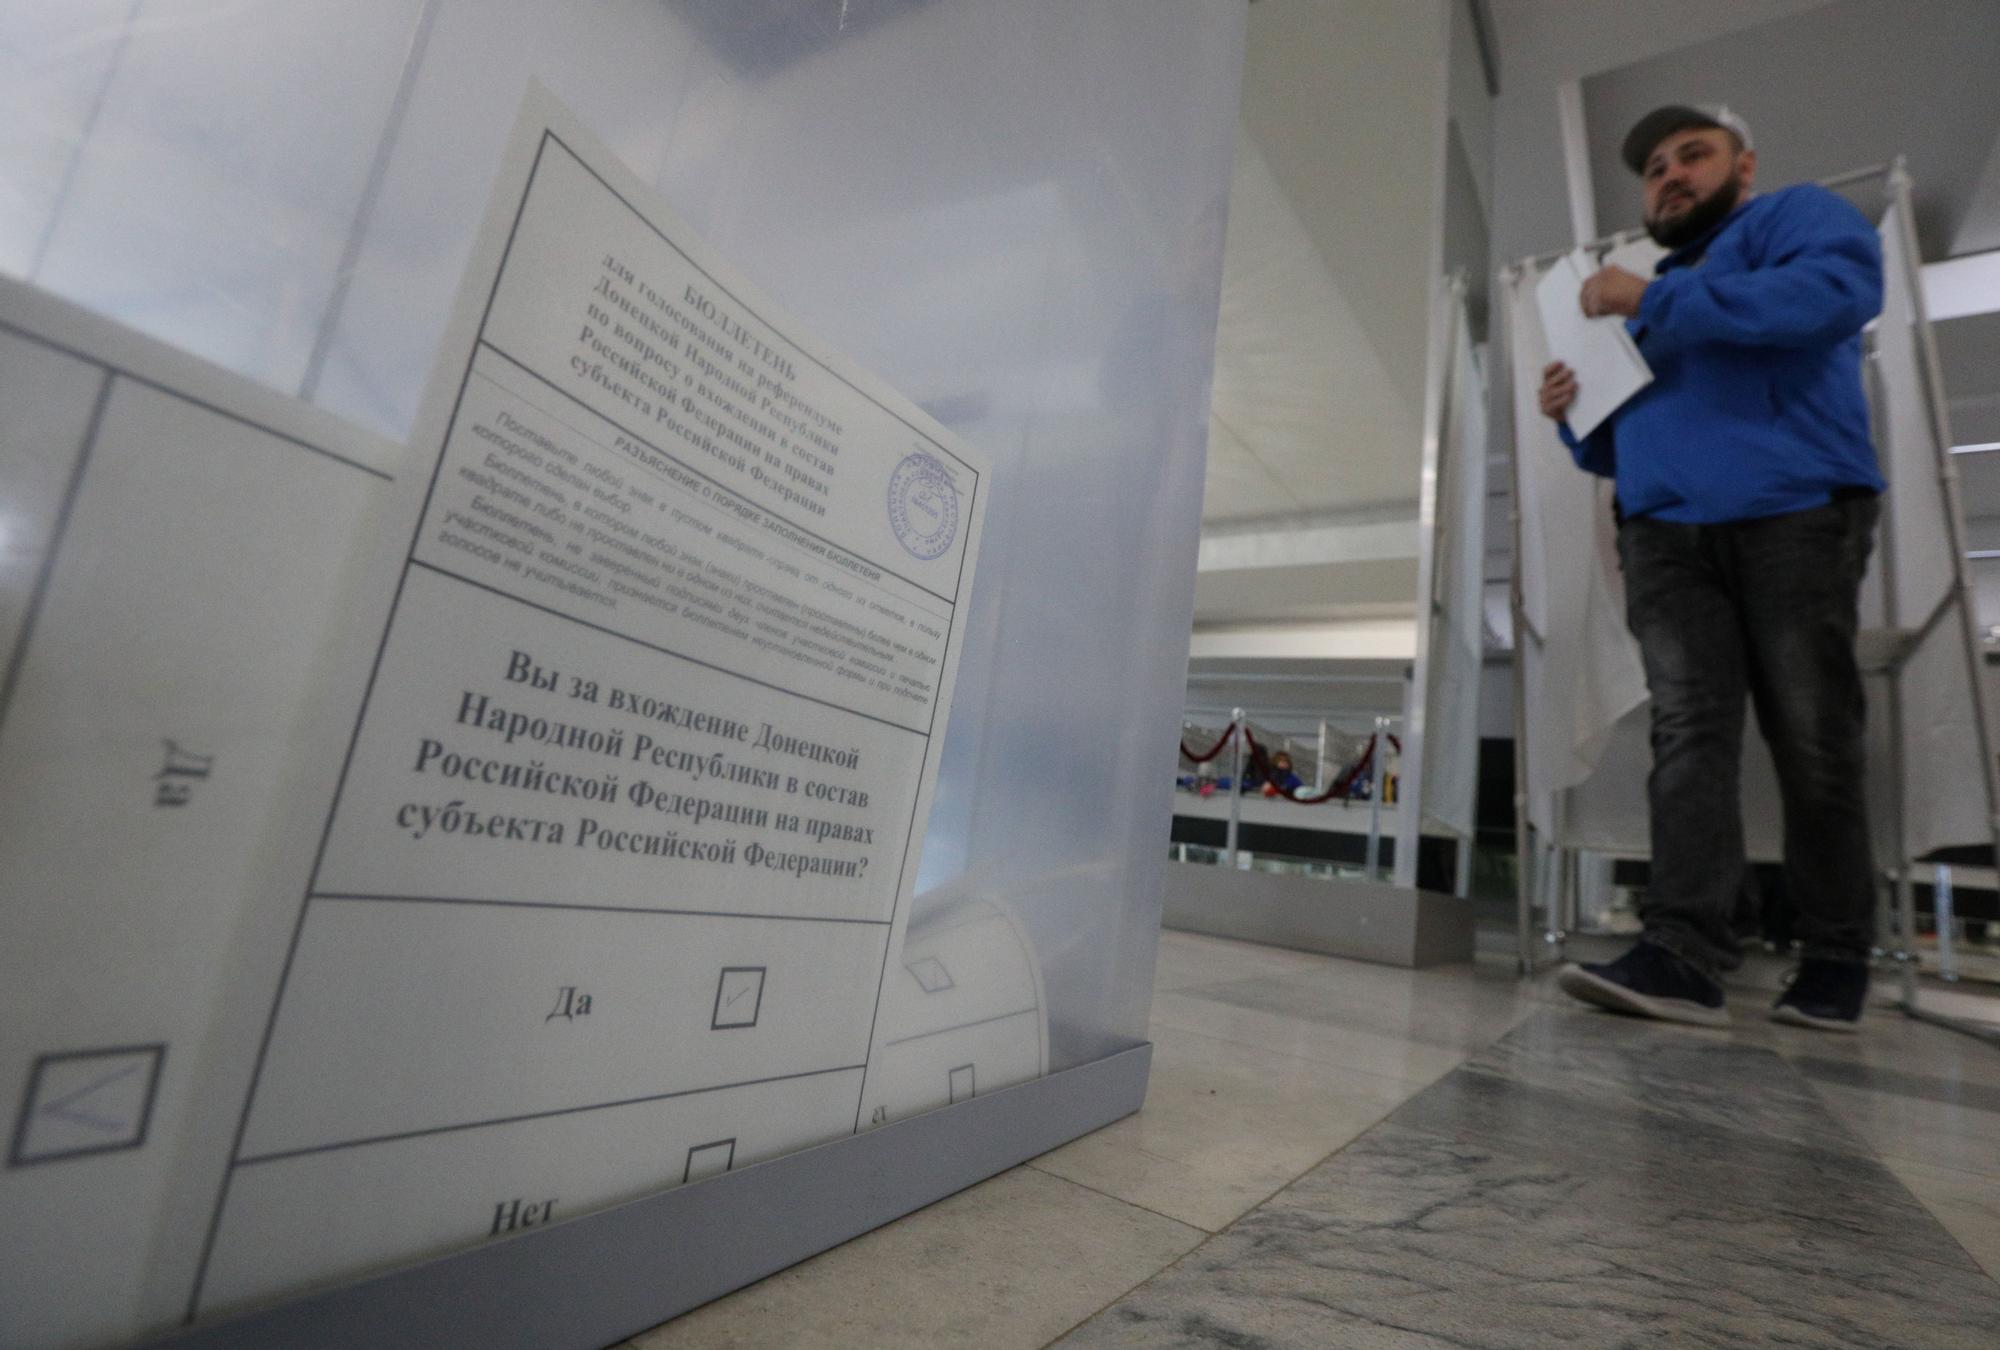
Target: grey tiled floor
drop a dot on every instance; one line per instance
(1340, 1154)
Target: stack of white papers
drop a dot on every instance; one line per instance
(1609, 369)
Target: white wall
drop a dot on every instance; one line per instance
(1334, 243)
(1543, 44)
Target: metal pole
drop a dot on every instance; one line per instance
(1853, 176)
(1906, 901)
(1954, 516)
(1236, 734)
(1573, 891)
(1941, 907)
(1904, 953)
(1447, 312)
(1604, 243)
(1601, 245)
(1524, 901)
(1548, 867)
(1319, 764)
(1230, 677)
(1380, 780)
(1556, 886)
(1561, 874)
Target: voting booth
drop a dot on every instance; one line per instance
(1581, 704)
(584, 589)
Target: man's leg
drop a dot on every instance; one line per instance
(1679, 605)
(1800, 577)
(1680, 609)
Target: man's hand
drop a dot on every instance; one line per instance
(1612, 290)
(1558, 390)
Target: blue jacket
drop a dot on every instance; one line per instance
(1754, 336)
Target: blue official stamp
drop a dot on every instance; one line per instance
(923, 506)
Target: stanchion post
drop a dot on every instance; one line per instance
(1941, 907)
(1378, 781)
(1524, 902)
(1572, 920)
(1905, 951)
(1555, 878)
(1237, 732)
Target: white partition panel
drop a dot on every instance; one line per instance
(1943, 777)
(1583, 671)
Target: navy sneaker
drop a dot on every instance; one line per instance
(1649, 981)
(1824, 995)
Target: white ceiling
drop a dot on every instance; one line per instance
(1306, 416)
(1309, 511)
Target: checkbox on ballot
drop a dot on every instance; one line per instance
(739, 995)
(709, 1160)
(87, 1101)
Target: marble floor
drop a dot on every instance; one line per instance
(1339, 1154)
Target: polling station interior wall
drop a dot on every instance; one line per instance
(1012, 215)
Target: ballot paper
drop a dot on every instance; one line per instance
(175, 542)
(1609, 369)
(646, 700)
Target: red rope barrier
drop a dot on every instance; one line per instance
(1344, 785)
(1212, 751)
(1264, 770)
(1341, 787)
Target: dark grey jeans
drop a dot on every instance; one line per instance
(1765, 608)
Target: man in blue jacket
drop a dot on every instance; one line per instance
(1746, 490)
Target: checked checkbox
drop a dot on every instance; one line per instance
(931, 976)
(739, 994)
(87, 1101)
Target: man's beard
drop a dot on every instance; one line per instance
(1699, 219)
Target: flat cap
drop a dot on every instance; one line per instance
(1661, 123)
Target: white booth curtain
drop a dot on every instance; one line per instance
(1944, 784)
